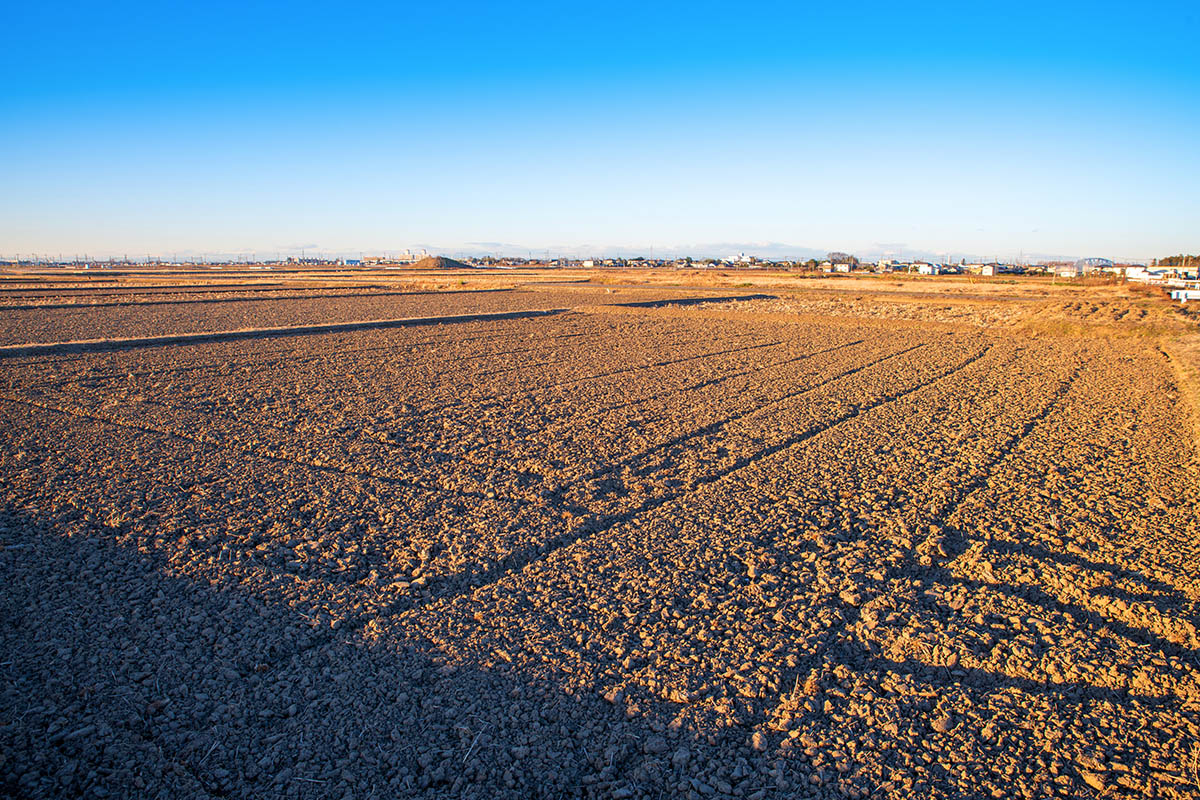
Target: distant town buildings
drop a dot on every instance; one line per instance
(1164, 276)
(407, 257)
(1174, 272)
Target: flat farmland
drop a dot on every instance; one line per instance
(726, 549)
(104, 315)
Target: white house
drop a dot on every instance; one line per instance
(1067, 271)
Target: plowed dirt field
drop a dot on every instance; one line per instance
(701, 551)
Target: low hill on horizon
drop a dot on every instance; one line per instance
(439, 262)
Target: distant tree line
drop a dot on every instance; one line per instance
(1177, 261)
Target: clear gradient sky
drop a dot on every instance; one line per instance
(988, 129)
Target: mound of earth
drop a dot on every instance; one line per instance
(439, 262)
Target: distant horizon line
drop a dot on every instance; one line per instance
(402, 257)
(768, 251)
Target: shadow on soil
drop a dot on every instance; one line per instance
(119, 679)
(694, 301)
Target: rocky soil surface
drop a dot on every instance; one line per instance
(635, 554)
(980, 311)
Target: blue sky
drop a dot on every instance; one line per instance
(972, 129)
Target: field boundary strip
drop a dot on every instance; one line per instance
(93, 345)
(350, 292)
(271, 358)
